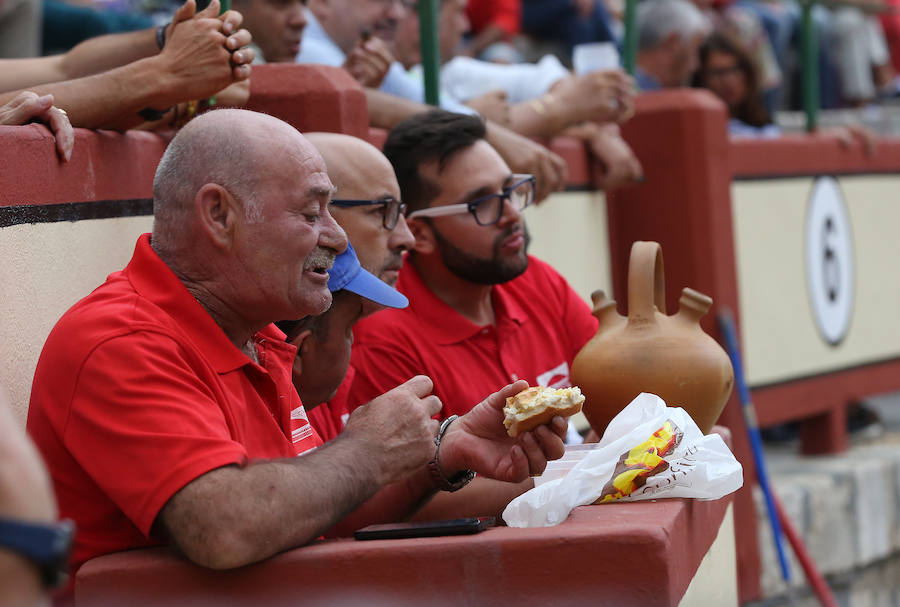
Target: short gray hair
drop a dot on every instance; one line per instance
(659, 19)
(194, 158)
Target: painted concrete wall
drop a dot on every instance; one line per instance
(716, 580)
(47, 268)
(569, 232)
(780, 337)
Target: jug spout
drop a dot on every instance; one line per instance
(693, 305)
(604, 309)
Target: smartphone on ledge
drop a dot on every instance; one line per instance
(456, 526)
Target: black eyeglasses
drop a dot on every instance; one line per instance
(393, 208)
(487, 210)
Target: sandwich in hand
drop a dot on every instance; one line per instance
(538, 405)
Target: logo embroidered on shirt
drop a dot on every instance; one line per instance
(557, 377)
(303, 432)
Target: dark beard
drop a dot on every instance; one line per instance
(493, 271)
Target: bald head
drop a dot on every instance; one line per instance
(224, 147)
(351, 162)
(241, 216)
(359, 172)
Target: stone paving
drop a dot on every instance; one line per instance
(847, 508)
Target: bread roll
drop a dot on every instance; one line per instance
(538, 405)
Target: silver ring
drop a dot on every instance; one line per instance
(64, 112)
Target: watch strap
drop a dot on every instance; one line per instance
(458, 480)
(47, 545)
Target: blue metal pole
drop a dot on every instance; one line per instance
(726, 325)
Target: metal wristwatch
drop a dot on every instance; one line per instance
(458, 480)
(47, 545)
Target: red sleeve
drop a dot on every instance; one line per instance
(505, 14)
(153, 407)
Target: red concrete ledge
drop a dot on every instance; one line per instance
(310, 97)
(643, 554)
(818, 154)
(105, 165)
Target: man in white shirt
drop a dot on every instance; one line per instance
(336, 27)
(328, 27)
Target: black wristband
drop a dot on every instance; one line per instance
(151, 115)
(161, 36)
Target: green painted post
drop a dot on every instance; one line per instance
(810, 68)
(629, 45)
(428, 27)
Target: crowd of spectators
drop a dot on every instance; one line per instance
(508, 61)
(857, 40)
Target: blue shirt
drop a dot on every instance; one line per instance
(645, 81)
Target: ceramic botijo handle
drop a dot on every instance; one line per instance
(646, 282)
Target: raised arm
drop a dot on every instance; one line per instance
(197, 61)
(521, 154)
(477, 441)
(98, 54)
(25, 495)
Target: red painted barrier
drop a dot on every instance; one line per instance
(685, 204)
(310, 97)
(642, 554)
(105, 165)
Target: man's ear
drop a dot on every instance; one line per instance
(424, 235)
(297, 342)
(217, 213)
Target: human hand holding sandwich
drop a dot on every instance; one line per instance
(479, 441)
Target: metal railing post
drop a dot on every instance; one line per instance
(810, 48)
(428, 27)
(629, 44)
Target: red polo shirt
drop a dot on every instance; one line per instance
(330, 417)
(138, 392)
(540, 325)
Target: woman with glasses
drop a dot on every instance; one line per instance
(729, 72)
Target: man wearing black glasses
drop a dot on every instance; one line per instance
(482, 312)
(367, 203)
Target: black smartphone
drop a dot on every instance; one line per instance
(456, 526)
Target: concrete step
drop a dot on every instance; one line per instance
(847, 509)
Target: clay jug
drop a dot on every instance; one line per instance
(649, 351)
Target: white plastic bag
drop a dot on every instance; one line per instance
(669, 457)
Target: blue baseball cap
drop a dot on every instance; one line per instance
(346, 273)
